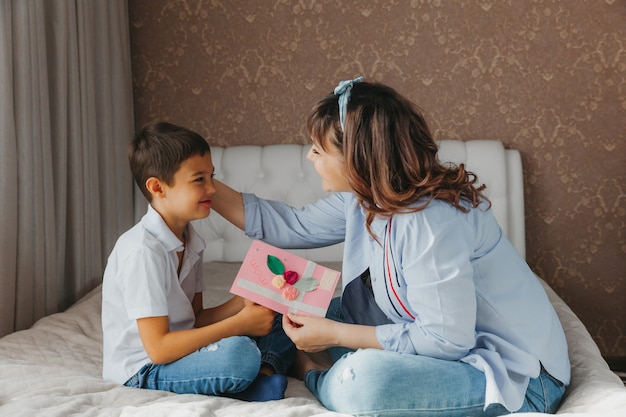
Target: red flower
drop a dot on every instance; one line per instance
(291, 277)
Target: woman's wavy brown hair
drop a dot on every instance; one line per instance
(390, 156)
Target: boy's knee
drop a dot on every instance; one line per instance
(242, 351)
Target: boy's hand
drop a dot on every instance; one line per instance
(255, 319)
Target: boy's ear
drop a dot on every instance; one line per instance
(154, 186)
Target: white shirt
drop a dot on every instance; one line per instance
(452, 284)
(141, 280)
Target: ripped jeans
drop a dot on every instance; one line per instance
(225, 367)
(372, 382)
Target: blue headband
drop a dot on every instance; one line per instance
(343, 91)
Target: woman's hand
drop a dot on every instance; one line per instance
(310, 334)
(314, 334)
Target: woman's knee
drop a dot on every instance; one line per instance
(371, 381)
(361, 374)
(367, 363)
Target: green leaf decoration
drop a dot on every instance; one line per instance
(275, 265)
(306, 284)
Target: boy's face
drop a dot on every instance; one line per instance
(189, 197)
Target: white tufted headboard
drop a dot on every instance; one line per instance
(282, 172)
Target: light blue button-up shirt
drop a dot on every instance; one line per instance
(450, 282)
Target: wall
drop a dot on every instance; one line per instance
(547, 77)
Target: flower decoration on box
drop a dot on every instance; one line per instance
(288, 281)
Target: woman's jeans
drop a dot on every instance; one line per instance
(226, 367)
(374, 382)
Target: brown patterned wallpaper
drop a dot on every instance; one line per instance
(547, 77)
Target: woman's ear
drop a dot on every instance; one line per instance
(154, 187)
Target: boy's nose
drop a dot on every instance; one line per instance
(210, 187)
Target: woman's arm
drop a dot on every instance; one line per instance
(313, 334)
(229, 204)
(318, 224)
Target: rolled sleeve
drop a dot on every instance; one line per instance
(320, 224)
(252, 220)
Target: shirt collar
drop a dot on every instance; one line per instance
(154, 223)
(379, 224)
(194, 240)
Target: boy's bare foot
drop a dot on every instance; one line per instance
(266, 370)
(303, 364)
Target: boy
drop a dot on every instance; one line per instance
(156, 333)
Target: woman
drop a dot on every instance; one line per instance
(439, 314)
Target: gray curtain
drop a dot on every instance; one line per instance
(65, 119)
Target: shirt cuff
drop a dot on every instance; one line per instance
(395, 338)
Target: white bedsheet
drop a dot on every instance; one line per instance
(54, 369)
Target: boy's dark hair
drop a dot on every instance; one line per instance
(159, 149)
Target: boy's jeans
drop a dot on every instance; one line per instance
(380, 383)
(225, 367)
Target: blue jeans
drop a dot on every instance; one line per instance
(374, 382)
(226, 367)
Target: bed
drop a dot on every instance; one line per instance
(54, 368)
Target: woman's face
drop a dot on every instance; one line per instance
(330, 165)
